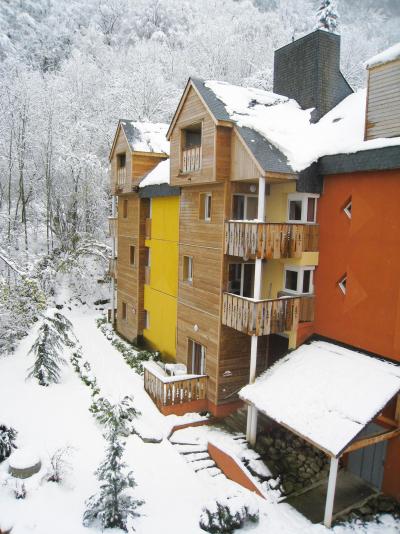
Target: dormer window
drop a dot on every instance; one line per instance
(302, 208)
(121, 170)
(121, 159)
(191, 148)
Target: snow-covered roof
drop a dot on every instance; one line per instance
(390, 54)
(325, 393)
(159, 175)
(264, 119)
(146, 136)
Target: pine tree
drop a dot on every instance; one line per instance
(327, 16)
(7, 441)
(112, 506)
(53, 334)
(116, 417)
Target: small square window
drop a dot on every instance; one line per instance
(347, 208)
(188, 268)
(299, 280)
(291, 280)
(205, 206)
(132, 256)
(342, 284)
(124, 311)
(295, 210)
(125, 208)
(311, 205)
(306, 282)
(302, 207)
(146, 319)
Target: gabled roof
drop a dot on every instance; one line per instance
(325, 393)
(146, 137)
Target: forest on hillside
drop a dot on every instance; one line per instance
(69, 69)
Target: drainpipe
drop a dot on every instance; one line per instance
(251, 430)
(113, 214)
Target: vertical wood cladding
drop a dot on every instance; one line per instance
(383, 101)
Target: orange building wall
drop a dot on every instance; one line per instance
(367, 248)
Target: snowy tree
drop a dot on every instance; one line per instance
(327, 16)
(116, 417)
(52, 336)
(7, 441)
(113, 506)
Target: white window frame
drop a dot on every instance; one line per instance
(346, 209)
(303, 197)
(242, 270)
(246, 196)
(207, 206)
(300, 279)
(342, 284)
(147, 319)
(189, 277)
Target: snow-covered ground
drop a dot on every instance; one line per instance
(58, 416)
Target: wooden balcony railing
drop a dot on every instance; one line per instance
(112, 268)
(121, 177)
(173, 390)
(113, 227)
(148, 229)
(270, 240)
(147, 275)
(191, 159)
(260, 317)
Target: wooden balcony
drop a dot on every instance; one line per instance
(250, 240)
(191, 159)
(147, 234)
(113, 227)
(260, 317)
(175, 394)
(112, 268)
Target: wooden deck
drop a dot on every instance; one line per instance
(250, 240)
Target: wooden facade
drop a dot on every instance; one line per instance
(383, 101)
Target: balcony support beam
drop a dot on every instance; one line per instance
(251, 429)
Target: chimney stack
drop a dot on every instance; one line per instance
(308, 70)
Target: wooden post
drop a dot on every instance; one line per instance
(113, 239)
(330, 495)
(251, 429)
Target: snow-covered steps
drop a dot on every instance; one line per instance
(197, 456)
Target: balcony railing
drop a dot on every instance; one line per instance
(260, 317)
(113, 227)
(269, 240)
(112, 268)
(191, 159)
(148, 229)
(121, 177)
(173, 390)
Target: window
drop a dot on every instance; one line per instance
(124, 310)
(147, 256)
(298, 280)
(191, 136)
(241, 279)
(196, 358)
(302, 208)
(191, 148)
(245, 207)
(132, 256)
(188, 268)
(146, 319)
(121, 161)
(205, 206)
(347, 208)
(125, 208)
(342, 284)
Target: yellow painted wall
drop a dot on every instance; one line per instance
(160, 296)
(276, 204)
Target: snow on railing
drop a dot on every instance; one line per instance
(170, 390)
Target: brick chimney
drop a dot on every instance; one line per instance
(308, 70)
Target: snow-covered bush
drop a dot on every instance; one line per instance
(52, 336)
(7, 441)
(115, 417)
(227, 515)
(113, 506)
(84, 370)
(59, 466)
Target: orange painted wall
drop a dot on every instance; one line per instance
(367, 248)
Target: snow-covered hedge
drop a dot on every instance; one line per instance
(226, 515)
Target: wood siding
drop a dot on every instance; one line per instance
(121, 147)
(383, 101)
(193, 111)
(243, 166)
